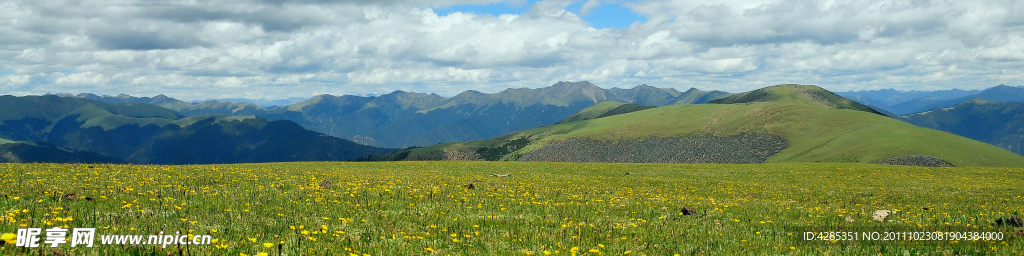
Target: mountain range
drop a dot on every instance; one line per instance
(160, 129)
(909, 102)
(892, 97)
(402, 119)
(62, 129)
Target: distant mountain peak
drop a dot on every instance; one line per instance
(397, 92)
(568, 83)
(1003, 87)
(407, 100)
(572, 86)
(470, 93)
(298, 106)
(401, 93)
(644, 87)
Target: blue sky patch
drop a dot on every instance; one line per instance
(607, 15)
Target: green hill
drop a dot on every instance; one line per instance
(787, 123)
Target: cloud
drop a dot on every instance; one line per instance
(279, 49)
(589, 6)
(551, 8)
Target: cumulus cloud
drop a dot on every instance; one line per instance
(278, 49)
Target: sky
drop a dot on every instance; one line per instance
(273, 49)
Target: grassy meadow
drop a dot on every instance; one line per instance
(425, 208)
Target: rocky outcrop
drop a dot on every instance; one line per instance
(916, 160)
(705, 148)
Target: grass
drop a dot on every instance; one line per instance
(5, 141)
(423, 208)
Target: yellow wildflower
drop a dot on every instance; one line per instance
(10, 238)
